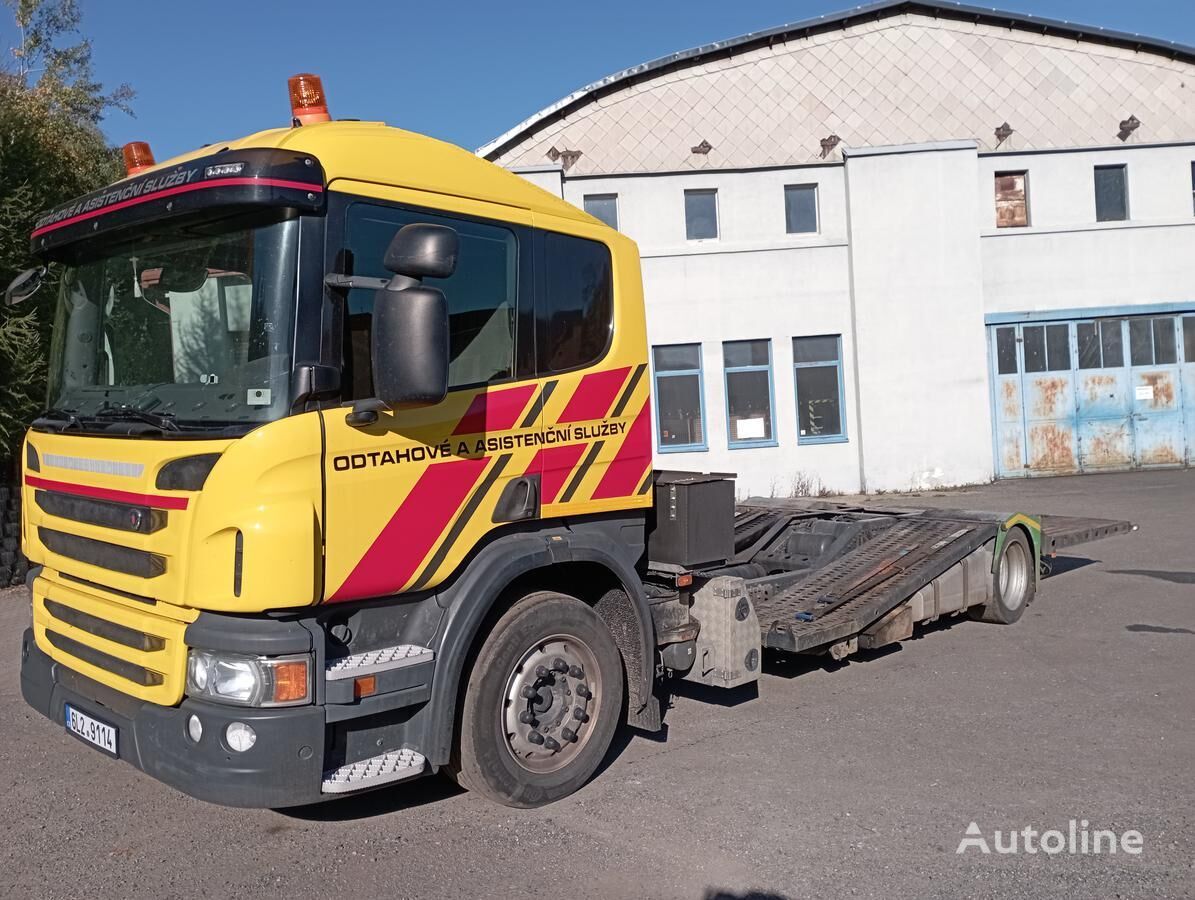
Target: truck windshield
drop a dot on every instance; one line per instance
(188, 331)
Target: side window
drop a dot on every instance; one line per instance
(482, 293)
(817, 363)
(575, 311)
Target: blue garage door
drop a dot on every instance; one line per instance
(1090, 395)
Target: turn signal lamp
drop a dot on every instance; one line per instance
(137, 157)
(308, 102)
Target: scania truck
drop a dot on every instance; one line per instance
(345, 478)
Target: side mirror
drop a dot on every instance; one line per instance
(422, 250)
(24, 285)
(410, 346)
(410, 323)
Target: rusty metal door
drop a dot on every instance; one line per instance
(1187, 384)
(1156, 401)
(1048, 397)
(1004, 351)
(1104, 408)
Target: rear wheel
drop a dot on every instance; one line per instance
(542, 703)
(1015, 582)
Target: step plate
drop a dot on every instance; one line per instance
(394, 765)
(376, 661)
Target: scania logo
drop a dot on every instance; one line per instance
(136, 517)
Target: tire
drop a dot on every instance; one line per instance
(1015, 582)
(497, 755)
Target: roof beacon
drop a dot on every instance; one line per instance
(308, 102)
(137, 157)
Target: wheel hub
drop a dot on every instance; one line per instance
(551, 697)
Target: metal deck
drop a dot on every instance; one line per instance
(857, 589)
(1059, 532)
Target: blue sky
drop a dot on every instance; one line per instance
(463, 72)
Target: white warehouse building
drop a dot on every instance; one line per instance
(916, 244)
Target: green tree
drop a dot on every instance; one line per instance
(51, 149)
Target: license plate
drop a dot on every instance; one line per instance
(101, 734)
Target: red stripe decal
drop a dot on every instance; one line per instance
(183, 189)
(625, 471)
(554, 465)
(85, 490)
(412, 531)
(495, 410)
(593, 396)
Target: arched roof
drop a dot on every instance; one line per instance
(895, 71)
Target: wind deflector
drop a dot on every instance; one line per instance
(228, 179)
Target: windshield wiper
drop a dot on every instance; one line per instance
(164, 421)
(57, 419)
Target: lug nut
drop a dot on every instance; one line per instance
(529, 693)
(542, 672)
(568, 734)
(535, 737)
(551, 744)
(559, 665)
(583, 691)
(580, 715)
(576, 672)
(526, 717)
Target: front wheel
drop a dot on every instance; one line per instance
(542, 703)
(1015, 582)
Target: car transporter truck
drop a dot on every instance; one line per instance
(346, 478)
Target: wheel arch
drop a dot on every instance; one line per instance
(568, 561)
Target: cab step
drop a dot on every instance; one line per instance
(393, 765)
(376, 661)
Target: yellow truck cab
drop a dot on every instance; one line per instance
(345, 477)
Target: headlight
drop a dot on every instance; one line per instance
(249, 680)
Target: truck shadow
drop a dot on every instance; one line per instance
(380, 802)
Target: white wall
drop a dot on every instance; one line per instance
(1065, 259)
(754, 281)
(918, 298)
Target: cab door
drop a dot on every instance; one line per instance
(410, 495)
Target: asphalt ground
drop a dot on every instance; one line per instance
(852, 780)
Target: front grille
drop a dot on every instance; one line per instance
(125, 669)
(105, 513)
(128, 595)
(120, 634)
(127, 646)
(128, 560)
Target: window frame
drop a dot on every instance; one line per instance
(656, 375)
(841, 436)
(1124, 168)
(717, 214)
(1024, 173)
(335, 332)
(733, 443)
(607, 195)
(817, 207)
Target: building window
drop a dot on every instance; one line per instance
(748, 368)
(680, 397)
(575, 315)
(817, 362)
(701, 215)
(1193, 190)
(1152, 342)
(1111, 194)
(800, 208)
(1047, 348)
(1101, 344)
(1012, 199)
(1189, 339)
(603, 207)
(1006, 350)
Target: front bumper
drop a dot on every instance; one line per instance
(283, 768)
